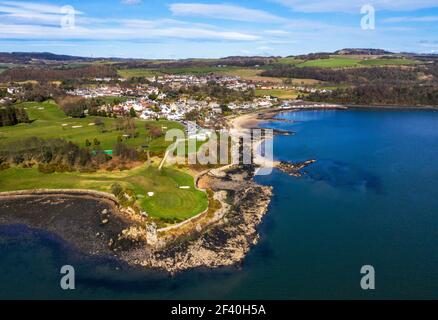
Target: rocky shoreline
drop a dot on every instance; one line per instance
(224, 243)
(94, 222)
(294, 169)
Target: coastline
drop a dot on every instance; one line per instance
(212, 239)
(215, 238)
(252, 119)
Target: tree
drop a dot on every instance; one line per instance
(100, 125)
(132, 113)
(73, 106)
(11, 116)
(154, 131)
(124, 152)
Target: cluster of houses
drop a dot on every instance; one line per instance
(11, 91)
(117, 91)
(311, 90)
(178, 81)
(149, 102)
(178, 109)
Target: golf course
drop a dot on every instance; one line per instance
(49, 121)
(167, 194)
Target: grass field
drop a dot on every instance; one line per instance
(168, 201)
(335, 62)
(6, 66)
(49, 121)
(141, 72)
(282, 94)
(290, 60)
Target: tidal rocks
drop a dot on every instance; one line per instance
(225, 243)
(280, 132)
(294, 169)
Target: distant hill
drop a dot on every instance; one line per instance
(362, 51)
(30, 57)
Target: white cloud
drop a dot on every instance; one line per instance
(411, 19)
(355, 5)
(131, 2)
(125, 31)
(31, 7)
(28, 20)
(29, 12)
(277, 32)
(223, 11)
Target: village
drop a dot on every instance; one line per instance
(160, 98)
(152, 101)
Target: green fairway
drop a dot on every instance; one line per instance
(169, 200)
(49, 121)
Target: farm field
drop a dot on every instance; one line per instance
(334, 62)
(384, 62)
(290, 61)
(49, 121)
(168, 202)
(346, 62)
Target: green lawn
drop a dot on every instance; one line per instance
(168, 201)
(50, 122)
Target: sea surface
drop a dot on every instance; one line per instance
(370, 199)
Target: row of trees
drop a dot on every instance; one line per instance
(51, 151)
(58, 155)
(50, 74)
(353, 75)
(380, 94)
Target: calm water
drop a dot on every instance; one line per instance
(372, 198)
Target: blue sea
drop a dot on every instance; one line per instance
(370, 199)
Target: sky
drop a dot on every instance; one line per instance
(171, 29)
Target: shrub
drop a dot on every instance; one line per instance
(117, 189)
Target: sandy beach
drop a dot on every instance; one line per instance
(245, 122)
